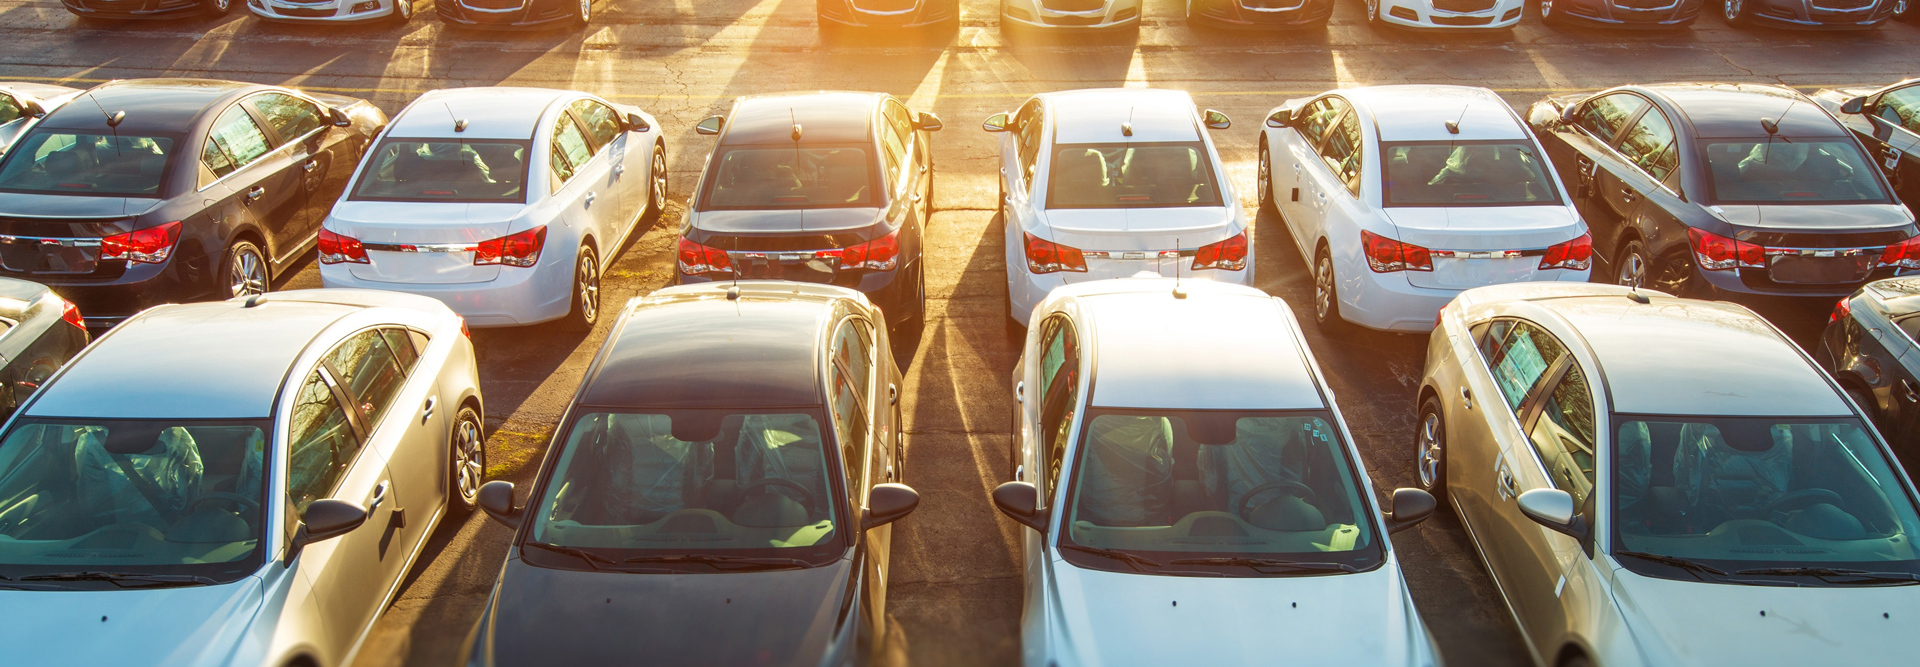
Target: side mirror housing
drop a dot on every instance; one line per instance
(324, 520)
(888, 503)
(1570, 115)
(33, 108)
(1216, 120)
(995, 123)
(1280, 119)
(635, 123)
(340, 118)
(496, 499)
(1020, 501)
(1408, 507)
(710, 125)
(1853, 105)
(928, 122)
(1554, 509)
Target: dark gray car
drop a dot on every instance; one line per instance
(1869, 347)
(39, 332)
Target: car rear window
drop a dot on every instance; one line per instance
(424, 170)
(1146, 175)
(76, 163)
(1790, 171)
(776, 177)
(1466, 174)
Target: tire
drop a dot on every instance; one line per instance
(244, 271)
(1430, 449)
(1633, 263)
(1265, 185)
(586, 291)
(1548, 16)
(657, 188)
(217, 7)
(402, 12)
(1903, 10)
(1866, 402)
(583, 15)
(466, 463)
(1326, 295)
(1736, 13)
(1654, 277)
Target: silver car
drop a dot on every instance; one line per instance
(1663, 481)
(242, 482)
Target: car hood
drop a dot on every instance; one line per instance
(544, 616)
(1815, 217)
(1139, 228)
(1485, 227)
(776, 221)
(1127, 618)
(65, 206)
(1708, 624)
(423, 222)
(193, 625)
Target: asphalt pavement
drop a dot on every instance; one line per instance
(955, 586)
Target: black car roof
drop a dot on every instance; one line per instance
(824, 117)
(153, 106)
(1730, 110)
(686, 351)
(1899, 296)
(18, 296)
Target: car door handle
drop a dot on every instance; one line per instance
(1466, 398)
(310, 165)
(1908, 391)
(590, 197)
(426, 413)
(379, 497)
(1508, 488)
(1628, 195)
(916, 197)
(619, 169)
(255, 193)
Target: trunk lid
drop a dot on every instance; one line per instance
(1120, 243)
(44, 236)
(795, 220)
(385, 226)
(1482, 229)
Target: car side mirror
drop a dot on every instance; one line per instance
(637, 124)
(1554, 509)
(33, 108)
(1853, 105)
(340, 118)
(1020, 501)
(928, 122)
(325, 520)
(995, 123)
(887, 503)
(496, 499)
(1280, 119)
(1408, 507)
(710, 125)
(1570, 115)
(1216, 120)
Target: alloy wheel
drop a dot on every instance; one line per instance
(1732, 8)
(1428, 464)
(1323, 289)
(469, 459)
(1264, 187)
(587, 284)
(1546, 9)
(221, 6)
(1900, 8)
(246, 272)
(1633, 266)
(404, 7)
(1373, 10)
(659, 173)
(586, 11)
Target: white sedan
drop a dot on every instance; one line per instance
(1465, 198)
(504, 203)
(1046, 14)
(23, 104)
(1111, 182)
(335, 12)
(1446, 14)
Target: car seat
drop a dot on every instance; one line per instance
(1264, 451)
(650, 473)
(1127, 479)
(1081, 178)
(1164, 174)
(169, 473)
(785, 447)
(1732, 475)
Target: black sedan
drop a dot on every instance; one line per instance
(816, 187)
(1869, 347)
(1808, 14)
(1887, 121)
(39, 332)
(1655, 14)
(146, 9)
(1725, 191)
(719, 492)
(152, 191)
(514, 14)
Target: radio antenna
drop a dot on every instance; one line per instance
(1177, 293)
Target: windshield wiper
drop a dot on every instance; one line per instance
(1824, 573)
(126, 579)
(1696, 568)
(1303, 566)
(717, 560)
(593, 559)
(1116, 554)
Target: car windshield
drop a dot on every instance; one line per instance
(691, 481)
(1491, 173)
(788, 176)
(1750, 492)
(1145, 175)
(76, 163)
(1796, 171)
(1195, 490)
(424, 170)
(147, 496)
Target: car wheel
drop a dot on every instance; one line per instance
(586, 291)
(1373, 13)
(246, 273)
(657, 190)
(1735, 11)
(1631, 264)
(466, 463)
(402, 11)
(1326, 294)
(584, 14)
(1430, 449)
(1865, 400)
(1903, 10)
(1546, 13)
(1264, 186)
(217, 7)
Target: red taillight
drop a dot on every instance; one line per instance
(144, 246)
(1842, 310)
(337, 248)
(696, 259)
(1228, 255)
(1576, 254)
(1904, 255)
(1714, 252)
(71, 314)
(522, 249)
(464, 331)
(1045, 256)
(881, 254)
(1385, 255)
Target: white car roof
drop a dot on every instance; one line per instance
(1095, 116)
(492, 112)
(1222, 347)
(1420, 113)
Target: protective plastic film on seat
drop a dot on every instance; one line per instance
(1127, 479)
(171, 469)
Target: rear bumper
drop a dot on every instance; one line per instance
(895, 293)
(1387, 302)
(516, 297)
(930, 12)
(135, 9)
(105, 304)
(1234, 14)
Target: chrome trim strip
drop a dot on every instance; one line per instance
(47, 240)
(1823, 252)
(420, 247)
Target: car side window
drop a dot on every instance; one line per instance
(289, 116)
(1649, 145)
(851, 361)
(602, 124)
(1059, 397)
(1604, 115)
(900, 129)
(1028, 125)
(1901, 107)
(1319, 116)
(238, 138)
(1911, 327)
(1520, 357)
(569, 143)
(366, 368)
(404, 352)
(9, 109)
(321, 443)
(1563, 434)
(1342, 152)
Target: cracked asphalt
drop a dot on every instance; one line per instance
(955, 587)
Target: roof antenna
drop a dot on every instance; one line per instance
(1453, 126)
(1126, 128)
(1633, 287)
(733, 291)
(1177, 292)
(459, 124)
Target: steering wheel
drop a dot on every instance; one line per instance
(1295, 489)
(1803, 499)
(247, 505)
(764, 482)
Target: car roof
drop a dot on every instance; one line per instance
(490, 112)
(1692, 357)
(692, 347)
(44, 91)
(1220, 347)
(159, 106)
(1734, 110)
(214, 360)
(1095, 116)
(17, 296)
(1421, 113)
(823, 116)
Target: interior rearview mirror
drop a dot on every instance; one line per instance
(1853, 105)
(995, 123)
(1216, 120)
(496, 499)
(1020, 501)
(928, 122)
(710, 125)
(340, 118)
(1408, 507)
(324, 520)
(635, 123)
(888, 503)
(1280, 119)
(1554, 509)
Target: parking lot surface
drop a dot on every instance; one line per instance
(955, 587)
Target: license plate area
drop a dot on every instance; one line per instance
(46, 256)
(796, 266)
(1815, 269)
